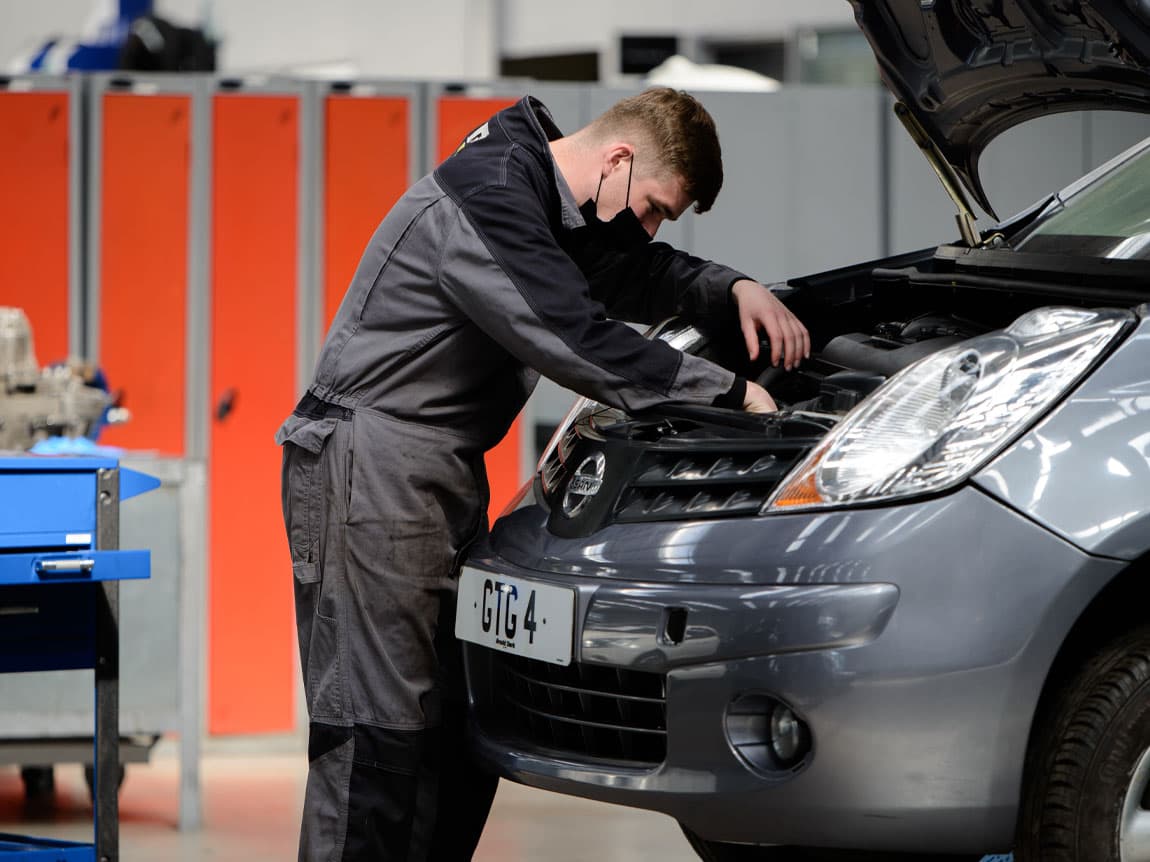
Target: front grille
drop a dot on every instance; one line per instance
(582, 710)
(688, 464)
(675, 484)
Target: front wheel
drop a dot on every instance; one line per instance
(1087, 793)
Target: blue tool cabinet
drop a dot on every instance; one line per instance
(60, 568)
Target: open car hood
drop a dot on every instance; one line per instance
(968, 70)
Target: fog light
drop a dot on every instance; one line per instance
(786, 734)
(767, 734)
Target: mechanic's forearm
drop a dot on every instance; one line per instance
(659, 282)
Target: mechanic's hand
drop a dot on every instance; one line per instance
(757, 400)
(759, 309)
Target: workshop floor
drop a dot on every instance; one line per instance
(252, 791)
(251, 810)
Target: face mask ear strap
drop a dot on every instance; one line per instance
(630, 172)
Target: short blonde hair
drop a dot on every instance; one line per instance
(682, 133)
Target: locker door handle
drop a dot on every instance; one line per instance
(64, 567)
(226, 404)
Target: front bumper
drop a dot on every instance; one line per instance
(913, 640)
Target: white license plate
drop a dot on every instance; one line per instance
(515, 615)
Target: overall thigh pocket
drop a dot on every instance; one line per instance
(302, 498)
(306, 521)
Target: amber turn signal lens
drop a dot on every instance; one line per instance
(802, 492)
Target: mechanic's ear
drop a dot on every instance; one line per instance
(619, 153)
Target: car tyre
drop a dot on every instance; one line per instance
(1087, 789)
(719, 851)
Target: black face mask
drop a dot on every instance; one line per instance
(623, 233)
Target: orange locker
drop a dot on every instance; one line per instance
(455, 117)
(35, 213)
(144, 183)
(367, 166)
(254, 240)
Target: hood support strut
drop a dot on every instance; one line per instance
(946, 175)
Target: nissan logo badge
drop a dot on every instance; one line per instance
(585, 484)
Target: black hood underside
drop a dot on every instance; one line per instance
(971, 69)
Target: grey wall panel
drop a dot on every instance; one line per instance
(567, 103)
(1031, 161)
(1110, 132)
(834, 173)
(920, 212)
(747, 228)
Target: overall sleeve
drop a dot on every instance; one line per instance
(503, 268)
(657, 281)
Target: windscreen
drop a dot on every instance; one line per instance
(1108, 218)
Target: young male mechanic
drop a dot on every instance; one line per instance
(491, 270)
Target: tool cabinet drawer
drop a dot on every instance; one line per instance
(50, 627)
(49, 602)
(47, 509)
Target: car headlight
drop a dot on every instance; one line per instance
(937, 421)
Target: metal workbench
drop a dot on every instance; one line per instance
(60, 568)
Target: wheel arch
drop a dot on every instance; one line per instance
(1119, 607)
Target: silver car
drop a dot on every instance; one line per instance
(908, 613)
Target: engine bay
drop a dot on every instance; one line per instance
(869, 322)
(845, 369)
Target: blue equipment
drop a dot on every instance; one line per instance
(60, 568)
(102, 52)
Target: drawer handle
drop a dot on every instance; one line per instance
(64, 567)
